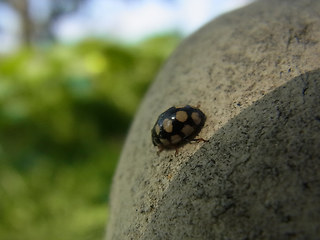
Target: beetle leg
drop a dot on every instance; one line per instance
(199, 140)
(176, 153)
(160, 149)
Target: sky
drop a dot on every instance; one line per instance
(124, 21)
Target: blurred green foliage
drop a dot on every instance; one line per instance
(64, 113)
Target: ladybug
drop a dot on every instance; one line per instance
(177, 126)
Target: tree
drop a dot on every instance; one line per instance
(37, 30)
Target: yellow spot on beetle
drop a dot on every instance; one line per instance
(187, 130)
(157, 128)
(164, 141)
(196, 118)
(175, 139)
(181, 116)
(167, 125)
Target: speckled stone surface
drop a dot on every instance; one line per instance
(255, 73)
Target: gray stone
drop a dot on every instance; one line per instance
(255, 73)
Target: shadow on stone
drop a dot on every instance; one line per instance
(257, 178)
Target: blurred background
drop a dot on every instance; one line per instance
(72, 74)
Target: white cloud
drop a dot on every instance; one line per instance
(9, 26)
(194, 14)
(140, 20)
(71, 28)
(135, 20)
(127, 21)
